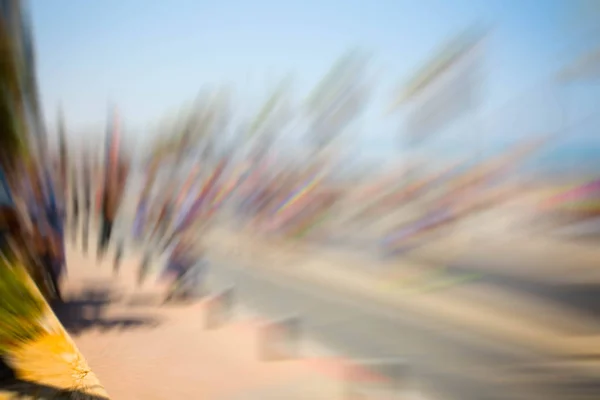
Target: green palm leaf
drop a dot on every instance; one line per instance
(20, 310)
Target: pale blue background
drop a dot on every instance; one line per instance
(151, 56)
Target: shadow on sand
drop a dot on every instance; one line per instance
(88, 311)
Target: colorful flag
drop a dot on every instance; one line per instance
(201, 199)
(227, 190)
(188, 185)
(582, 193)
(299, 193)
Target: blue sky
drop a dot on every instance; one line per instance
(149, 57)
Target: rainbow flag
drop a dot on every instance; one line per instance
(208, 191)
(580, 193)
(226, 192)
(298, 194)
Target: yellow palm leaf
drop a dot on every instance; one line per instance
(48, 357)
(53, 360)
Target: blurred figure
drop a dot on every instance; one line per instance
(75, 203)
(141, 214)
(165, 209)
(6, 209)
(56, 183)
(87, 200)
(46, 238)
(53, 227)
(106, 218)
(183, 206)
(185, 268)
(112, 199)
(98, 178)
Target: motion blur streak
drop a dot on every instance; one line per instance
(244, 246)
